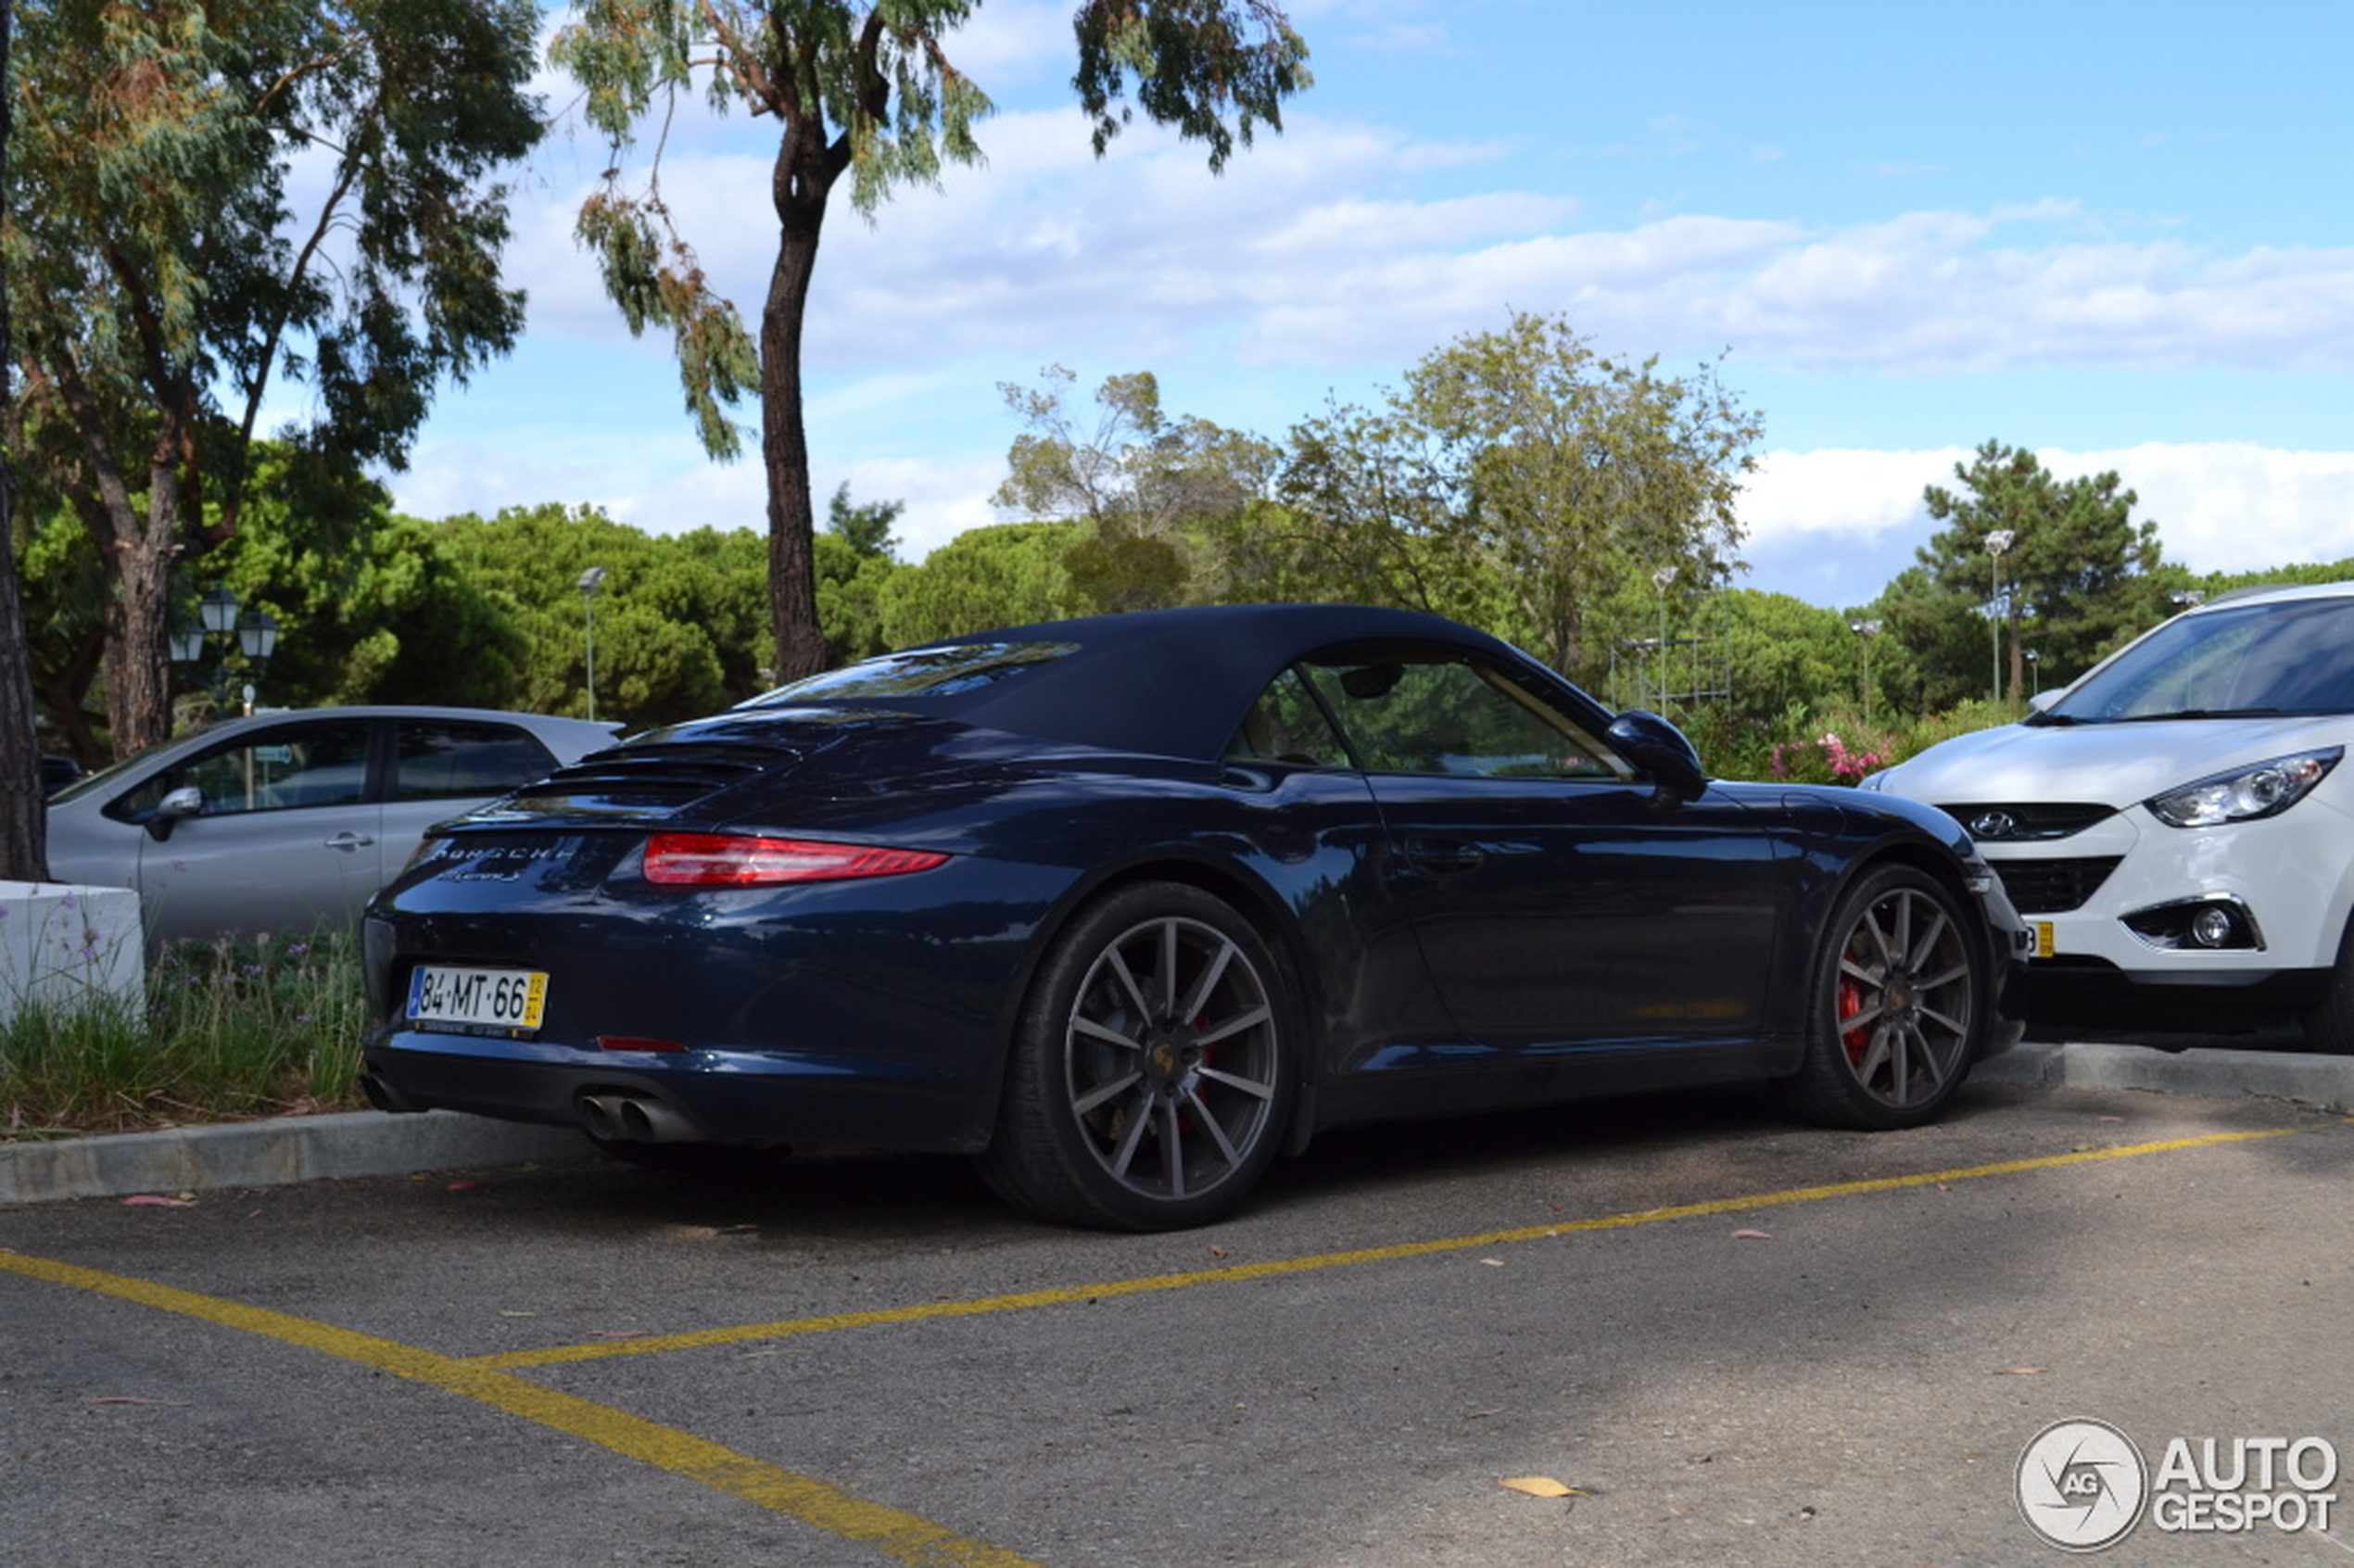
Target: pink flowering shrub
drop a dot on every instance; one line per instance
(1826, 760)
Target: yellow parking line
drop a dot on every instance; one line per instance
(905, 1537)
(887, 1530)
(1234, 1273)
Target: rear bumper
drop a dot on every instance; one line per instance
(716, 1097)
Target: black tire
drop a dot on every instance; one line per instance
(1899, 989)
(1152, 1067)
(2329, 1023)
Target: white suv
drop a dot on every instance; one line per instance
(2180, 816)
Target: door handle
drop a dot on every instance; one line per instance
(347, 839)
(1443, 857)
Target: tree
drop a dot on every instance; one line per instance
(1137, 478)
(1010, 575)
(2074, 560)
(1933, 650)
(1363, 518)
(164, 280)
(62, 591)
(855, 559)
(1790, 656)
(864, 526)
(864, 91)
(1523, 470)
(24, 823)
(1573, 476)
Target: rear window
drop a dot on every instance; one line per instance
(920, 672)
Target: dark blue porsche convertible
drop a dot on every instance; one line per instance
(1127, 906)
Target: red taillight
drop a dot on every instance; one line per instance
(726, 860)
(638, 1042)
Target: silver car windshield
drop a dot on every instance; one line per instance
(2292, 658)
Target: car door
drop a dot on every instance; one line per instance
(280, 834)
(1561, 902)
(443, 767)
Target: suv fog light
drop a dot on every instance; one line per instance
(2212, 924)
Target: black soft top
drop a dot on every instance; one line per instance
(1169, 682)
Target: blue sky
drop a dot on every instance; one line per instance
(2119, 236)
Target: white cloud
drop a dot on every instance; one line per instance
(1841, 497)
(2233, 506)
(1325, 250)
(1340, 252)
(1833, 526)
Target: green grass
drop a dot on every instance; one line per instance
(232, 1029)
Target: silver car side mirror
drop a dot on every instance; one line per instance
(186, 800)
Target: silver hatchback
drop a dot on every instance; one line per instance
(282, 821)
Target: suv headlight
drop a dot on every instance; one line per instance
(2264, 789)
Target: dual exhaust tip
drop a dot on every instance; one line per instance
(631, 1118)
(608, 1116)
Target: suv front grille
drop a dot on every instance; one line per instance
(2053, 887)
(1998, 823)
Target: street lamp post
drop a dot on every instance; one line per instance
(590, 581)
(1663, 579)
(1997, 544)
(255, 633)
(1865, 631)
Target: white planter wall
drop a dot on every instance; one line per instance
(63, 947)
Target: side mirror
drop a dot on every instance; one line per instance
(186, 800)
(1659, 749)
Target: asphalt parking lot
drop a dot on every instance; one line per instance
(1725, 1338)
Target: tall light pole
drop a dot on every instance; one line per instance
(1865, 631)
(1997, 543)
(1663, 579)
(590, 581)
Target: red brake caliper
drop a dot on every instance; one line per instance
(1850, 1002)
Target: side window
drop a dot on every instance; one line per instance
(1455, 717)
(317, 764)
(444, 759)
(1285, 725)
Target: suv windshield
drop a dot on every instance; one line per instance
(2292, 658)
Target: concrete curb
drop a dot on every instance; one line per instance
(2327, 1081)
(268, 1154)
(308, 1149)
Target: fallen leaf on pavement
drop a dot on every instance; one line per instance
(1541, 1486)
(1752, 1235)
(152, 1200)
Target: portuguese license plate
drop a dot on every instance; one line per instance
(495, 1001)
